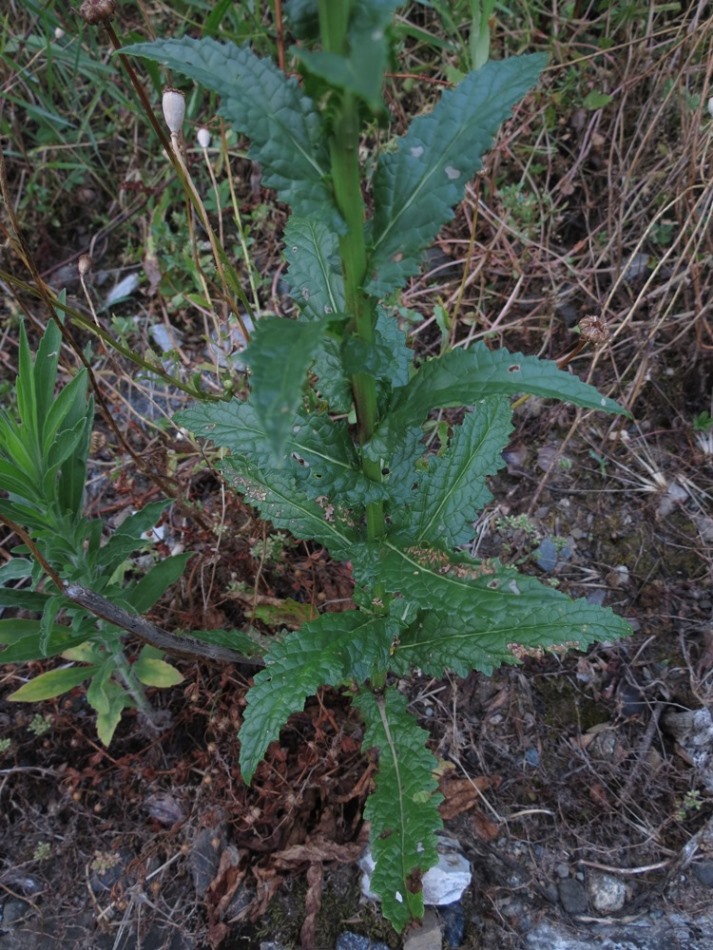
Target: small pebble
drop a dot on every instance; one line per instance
(572, 896)
(453, 919)
(352, 941)
(703, 873)
(606, 892)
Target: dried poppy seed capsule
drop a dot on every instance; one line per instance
(203, 136)
(173, 104)
(97, 11)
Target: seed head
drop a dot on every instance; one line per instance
(174, 109)
(203, 136)
(97, 11)
(593, 329)
(84, 265)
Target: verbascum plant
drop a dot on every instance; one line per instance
(329, 444)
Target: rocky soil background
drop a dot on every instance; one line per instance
(578, 788)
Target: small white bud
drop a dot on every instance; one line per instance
(58, 32)
(203, 136)
(710, 106)
(173, 104)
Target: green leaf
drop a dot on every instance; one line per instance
(480, 610)
(155, 672)
(279, 355)
(462, 377)
(332, 383)
(127, 537)
(277, 496)
(416, 186)
(237, 640)
(51, 684)
(27, 399)
(143, 595)
(46, 362)
(452, 490)
(315, 270)
(328, 651)
(258, 100)
(403, 810)
(596, 100)
(67, 409)
(22, 640)
(109, 700)
(322, 456)
(361, 72)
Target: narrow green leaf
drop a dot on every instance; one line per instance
(27, 399)
(462, 377)
(66, 410)
(481, 610)
(282, 123)
(403, 810)
(237, 640)
(315, 271)
(46, 362)
(416, 186)
(51, 684)
(452, 490)
(279, 355)
(15, 483)
(143, 595)
(22, 597)
(327, 651)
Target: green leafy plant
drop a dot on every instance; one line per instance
(329, 444)
(43, 467)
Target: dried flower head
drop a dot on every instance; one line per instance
(97, 11)
(593, 329)
(173, 104)
(203, 136)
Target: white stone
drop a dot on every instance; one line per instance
(442, 884)
(606, 892)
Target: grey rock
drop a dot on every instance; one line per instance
(13, 910)
(703, 873)
(573, 896)
(428, 936)
(606, 892)
(453, 919)
(352, 941)
(204, 859)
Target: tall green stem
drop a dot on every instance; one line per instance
(346, 177)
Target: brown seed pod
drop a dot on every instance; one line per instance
(97, 11)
